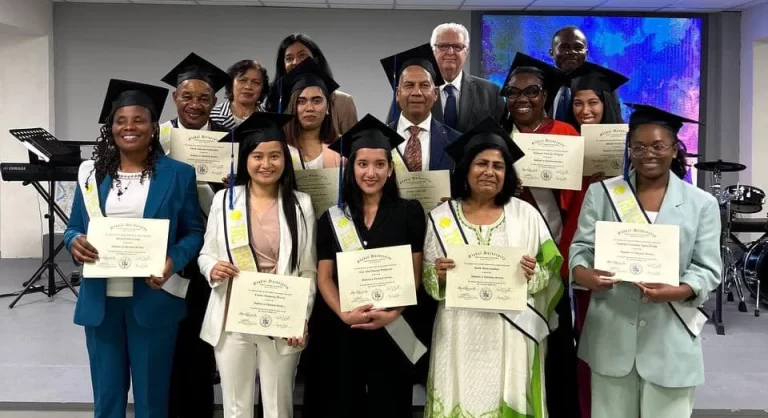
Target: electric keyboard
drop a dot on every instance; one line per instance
(35, 172)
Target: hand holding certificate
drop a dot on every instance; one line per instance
(268, 304)
(486, 278)
(127, 247)
(638, 252)
(550, 161)
(382, 277)
(321, 185)
(428, 187)
(202, 150)
(604, 148)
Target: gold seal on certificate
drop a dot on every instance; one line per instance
(268, 304)
(486, 278)
(127, 247)
(550, 161)
(639, 252)
(428, 187)
(321, 185)
(381, 276)
(604, 148)
(202, 150)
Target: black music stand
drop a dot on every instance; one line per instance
(49, 265)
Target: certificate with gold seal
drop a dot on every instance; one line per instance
(128, 247)
(638, 252)
(604, 148)
(321, 185)
(268, 304)
(486, 278)
(381, 276)
(428, 187)
(550, 161)
(202, 150)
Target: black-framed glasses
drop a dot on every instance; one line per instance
(446, 47)
(658, 148)
(530, 92)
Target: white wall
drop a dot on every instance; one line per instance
(96, 42)
(26, 100)
(753, 122)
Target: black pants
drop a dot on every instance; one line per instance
(193, 363)
(363, 374)
(560, 365)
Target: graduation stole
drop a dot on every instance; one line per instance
(237, 232)
(298, 162)
(627, 208)
(445, 222)
(401, 332)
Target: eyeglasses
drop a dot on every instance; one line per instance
(530, 92)
(657, 149)
(446, 47)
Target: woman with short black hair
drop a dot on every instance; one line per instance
(245, 94)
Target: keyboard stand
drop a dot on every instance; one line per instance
(49, 265)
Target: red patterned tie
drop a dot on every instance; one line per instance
(413, 149)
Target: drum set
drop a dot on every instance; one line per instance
(744, 263)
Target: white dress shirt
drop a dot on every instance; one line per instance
(456, 83)
(424, 137)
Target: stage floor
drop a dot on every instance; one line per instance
(43, 360)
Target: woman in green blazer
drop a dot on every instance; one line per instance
(642, 340)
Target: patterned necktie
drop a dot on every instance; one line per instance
(450, 116)
(413, 149)
(561, 111)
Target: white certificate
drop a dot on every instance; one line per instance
(486, 278)
(639, 252)
(268, 304)
(321, 185)
(550, 161)
(202, 150)
(127, 247)
(382, 277)
(428, 187)
(604, 148)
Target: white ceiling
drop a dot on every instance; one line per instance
(664, 6)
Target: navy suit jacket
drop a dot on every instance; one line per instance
(440, 137)
(172, 195)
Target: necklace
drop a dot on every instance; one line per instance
(124, 181)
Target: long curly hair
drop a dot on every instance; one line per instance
(106, 155)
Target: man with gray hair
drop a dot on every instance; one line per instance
(464, 100)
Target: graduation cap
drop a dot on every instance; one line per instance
(487, 132)
(553, 76)
(645, 114)
(121, 93)
(594, 77)
(306, 74)
(368, 133)
(421, 56)
(194, 67)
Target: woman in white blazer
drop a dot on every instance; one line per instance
(278, 225)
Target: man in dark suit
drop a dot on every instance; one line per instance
(569, 52)
(463, 100)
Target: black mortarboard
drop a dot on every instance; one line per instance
(554, 77)
(421, 56)
(194, 67)
(594, 77)
(260, 127)
(368, 133)
(488, 131)
(306, 74)
(121, 93)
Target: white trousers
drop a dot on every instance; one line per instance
(238, 357)
(632, 397)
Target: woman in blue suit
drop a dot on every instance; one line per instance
(131, 323)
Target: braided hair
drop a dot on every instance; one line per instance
(106, 155)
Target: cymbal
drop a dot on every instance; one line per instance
(719, 165)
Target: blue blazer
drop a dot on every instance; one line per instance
(440, 137)
(172, 195)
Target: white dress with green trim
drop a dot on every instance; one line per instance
(481, 366)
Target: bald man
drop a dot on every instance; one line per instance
(569, 52)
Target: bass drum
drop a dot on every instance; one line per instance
(754, 267)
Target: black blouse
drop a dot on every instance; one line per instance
(397, 222)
